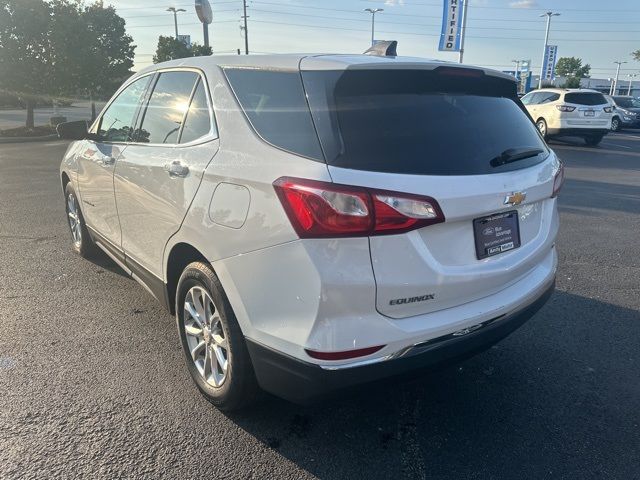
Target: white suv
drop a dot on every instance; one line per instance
(573, 112)
(317, 222)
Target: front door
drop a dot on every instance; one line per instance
(159, 174)
(98, 158)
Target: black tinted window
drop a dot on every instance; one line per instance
(586, 98)
(419, 122)
(118, 118)
(549, 97)
(197, 123)
(277, 108)
(166, 108)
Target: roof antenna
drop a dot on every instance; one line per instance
(383, 48)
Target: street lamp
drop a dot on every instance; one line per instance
(546, 42)
(175, 16)
(615, 82)
(373, 12)
(631, 77)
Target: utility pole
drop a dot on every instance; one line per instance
(373, 12)
(615, 82)
(175, 16)
(245, 28)
(546, 42)
(463, 30)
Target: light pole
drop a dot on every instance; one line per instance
(615, 82)
(517, 62)
(631, 77)
(175, 16)
(373, 12)
(546, 41)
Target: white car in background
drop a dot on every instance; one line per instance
(571, 112)
(316, 222)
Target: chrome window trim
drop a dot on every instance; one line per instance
(213, 126)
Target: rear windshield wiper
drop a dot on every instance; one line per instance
(515, 154)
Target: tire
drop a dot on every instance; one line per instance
(616, 126)
(593, 141)
(81, 241)
(541, 124)
(200, 295)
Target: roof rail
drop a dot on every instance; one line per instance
(384, 48)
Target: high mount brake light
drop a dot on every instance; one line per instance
(459, 72)
(558, 180)
(323, 209)
(565, 108)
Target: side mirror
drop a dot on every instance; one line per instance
(73, 130)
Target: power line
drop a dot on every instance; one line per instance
(434, 34)
(511, 8)
(434, 25)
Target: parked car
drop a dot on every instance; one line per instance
(318, 222)
(574, 112)
(626, 112)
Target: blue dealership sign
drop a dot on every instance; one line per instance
(451, 33)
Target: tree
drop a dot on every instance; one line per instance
(50, 48)
(170, 48)
(636, 55)
(572, 67)
(25, 56)
(107, 54)
(572, 82)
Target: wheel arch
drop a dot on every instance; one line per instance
(180, 255)
(64, 179)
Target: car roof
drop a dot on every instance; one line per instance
(305, 62)
(566, 90)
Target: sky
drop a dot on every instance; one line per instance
(498, 31)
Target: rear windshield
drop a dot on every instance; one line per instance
(419, 121)
(587, 98)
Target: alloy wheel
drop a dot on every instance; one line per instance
(74, 219)
(542, 127)
(205, 336)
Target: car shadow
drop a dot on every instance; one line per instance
(102, 260)
(557, 399)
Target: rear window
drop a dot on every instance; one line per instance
(275, 104)
(418, 121)
(586, 98)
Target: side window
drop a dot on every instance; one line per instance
(198, 121)
(165, 110)
(526, 100)
(116, 122)
(548, 97)
(276, 106)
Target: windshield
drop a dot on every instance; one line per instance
(627, 102)
(419, 121)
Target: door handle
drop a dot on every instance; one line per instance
(176, 169)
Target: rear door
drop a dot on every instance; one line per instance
(435, 134)
(159, 174)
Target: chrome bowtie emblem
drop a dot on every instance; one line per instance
(516, 198)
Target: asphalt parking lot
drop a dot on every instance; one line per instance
(93, 382)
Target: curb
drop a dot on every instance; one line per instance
(45, 138)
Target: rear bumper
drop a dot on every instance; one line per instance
(577, 132)
(302, 382)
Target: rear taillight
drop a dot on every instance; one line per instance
(565, 108)
(608, 109)
(322, 209)
(558, 180)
